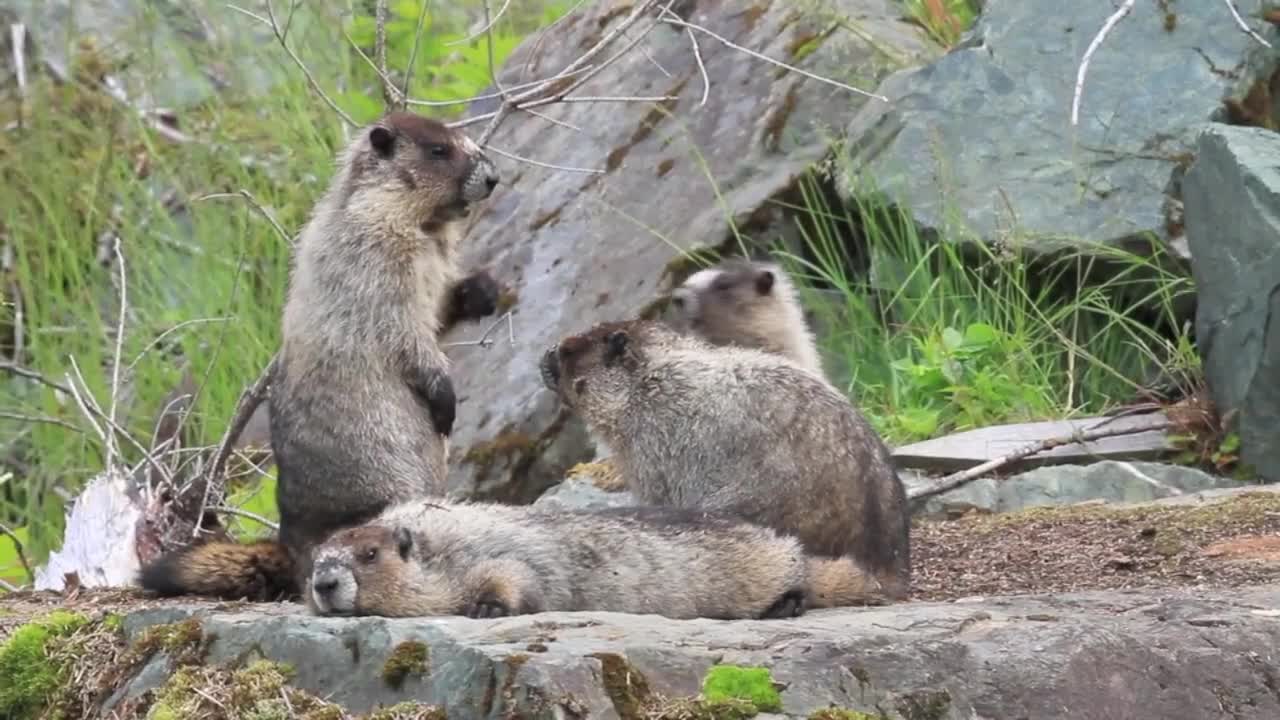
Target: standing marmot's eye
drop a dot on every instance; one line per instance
(370, 555)
(439, 151)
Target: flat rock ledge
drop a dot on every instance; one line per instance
(1159, 654)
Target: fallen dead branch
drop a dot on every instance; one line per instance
(1096, 432)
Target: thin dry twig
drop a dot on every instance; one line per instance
(228, 510)
(759, 56)
(111, 449)
(160, 338)
(270, 22)
(245, 407)
(485, 340)
(1231, 6)
(20, 551)
(18, 370)
(539, 163)
(256, 205)
(488, 25)
(413, 52)
(1107, 26)
(1095, 432)
(39, 419)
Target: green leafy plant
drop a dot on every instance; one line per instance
(944, 20)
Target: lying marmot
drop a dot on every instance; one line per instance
(361, 405)
(742, 431)
(489, 559)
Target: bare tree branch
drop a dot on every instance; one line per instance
(119, 350)
(1231, 6)
(1107, 27)
(270, 21)
(1096, 432)
(15, 369)
(675, 21)
(484, 340)
(413, 52)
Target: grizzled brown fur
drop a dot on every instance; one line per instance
(487, 560)
(742, 431)
(746, 303)
(361, 405)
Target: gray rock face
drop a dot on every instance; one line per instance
(1136, 655)
(1232, 205)
(1108, 481)
(579, 248)
(984, 133)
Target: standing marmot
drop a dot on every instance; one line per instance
(488, 560)
(746, 304)
(361, 405)
(738, 430)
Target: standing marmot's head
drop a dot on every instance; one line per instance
(361, 567)
(408, 165)
(594, 372)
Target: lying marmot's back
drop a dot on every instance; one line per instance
(738, 430)
(483, 560)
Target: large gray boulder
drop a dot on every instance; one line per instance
(1152, 654)
(1232, 196)
(981, 141)
(578, 248)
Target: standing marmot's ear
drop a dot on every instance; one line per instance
(382, 140)
(615, 344)
(764, 282)
(404, 541)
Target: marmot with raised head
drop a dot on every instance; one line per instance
(361, 404)
(746, 303)
(738, 430)
(490, 560)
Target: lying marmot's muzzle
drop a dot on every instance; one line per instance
(550, 369)
(482, 180)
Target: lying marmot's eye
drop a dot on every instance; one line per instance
(439, 151)
(370, 555)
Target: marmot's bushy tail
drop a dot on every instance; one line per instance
(260, 571)
(838, 582)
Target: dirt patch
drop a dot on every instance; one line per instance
(1094, 547)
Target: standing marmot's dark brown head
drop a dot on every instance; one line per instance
(406, 164)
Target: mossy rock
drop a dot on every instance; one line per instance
(408, 658)
(32, 665)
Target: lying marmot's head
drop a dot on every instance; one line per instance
(362, 570)
(412, 166)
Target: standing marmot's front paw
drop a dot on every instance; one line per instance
(475, 296)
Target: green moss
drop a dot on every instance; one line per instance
(700, 709)
(258, 691)
(184, 641)
(626, 686)
(32, 670)
(842, 714)
(752, 684)
(925, 705)
(408, 658)
(409, 711)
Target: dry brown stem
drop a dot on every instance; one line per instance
(955, 480)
